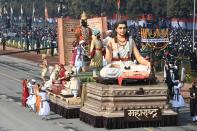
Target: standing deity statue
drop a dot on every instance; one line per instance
(83, 36)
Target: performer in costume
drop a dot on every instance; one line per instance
(83, 36)
(31, 100)
(44, 65)
(96, 52)
(170, 75)
(118, 55)
(44, 105)
(177, 101)
(193, 101)
(38, 99)
(25, 93)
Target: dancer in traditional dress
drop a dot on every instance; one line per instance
(25, 93)
(38, 99)
(44, 105)
(31, 100)
(170, 75)
(177, 101)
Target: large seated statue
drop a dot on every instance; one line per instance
(118, 55)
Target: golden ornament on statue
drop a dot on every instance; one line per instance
(83, 16)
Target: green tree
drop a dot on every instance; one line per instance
(170, 8)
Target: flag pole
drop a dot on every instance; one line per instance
(11, 14)
(32, 21)
(21, 24)
(44, 13)
(33, 12)
(194, 23)
(118, 11)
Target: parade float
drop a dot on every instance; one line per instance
(62, 101)
(140, 103)
(125, 102)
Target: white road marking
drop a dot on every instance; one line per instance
(148, 129)
(10, 77)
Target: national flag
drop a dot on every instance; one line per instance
(11, 11)
(0, 12)
(46, 12)
(58, 9)
(21, 9)
(33, 11)
(5, 10)
(118, 3)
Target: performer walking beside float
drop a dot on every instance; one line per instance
(38, 99)
(31, 100)
(25, 93)
(177, 101)
(44, 105)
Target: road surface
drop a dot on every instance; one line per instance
(17, 118)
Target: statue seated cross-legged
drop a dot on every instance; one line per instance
(118, 55)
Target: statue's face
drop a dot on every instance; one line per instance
(84, 22)
(121, 29)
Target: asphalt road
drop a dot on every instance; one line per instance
(17, 118)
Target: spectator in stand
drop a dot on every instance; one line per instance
(52, 45)
(3, 42)
(193, 101)
(38, 44)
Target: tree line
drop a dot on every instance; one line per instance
(73, 8)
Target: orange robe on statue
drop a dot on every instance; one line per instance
(85, 34)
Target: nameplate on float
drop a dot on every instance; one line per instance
(149, 114)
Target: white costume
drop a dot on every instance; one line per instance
(31, 100)
(112, 72)
(178, 100)
(53, 76)
(105, 41)
(72, 86)
(79, 60)
(44, 105)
